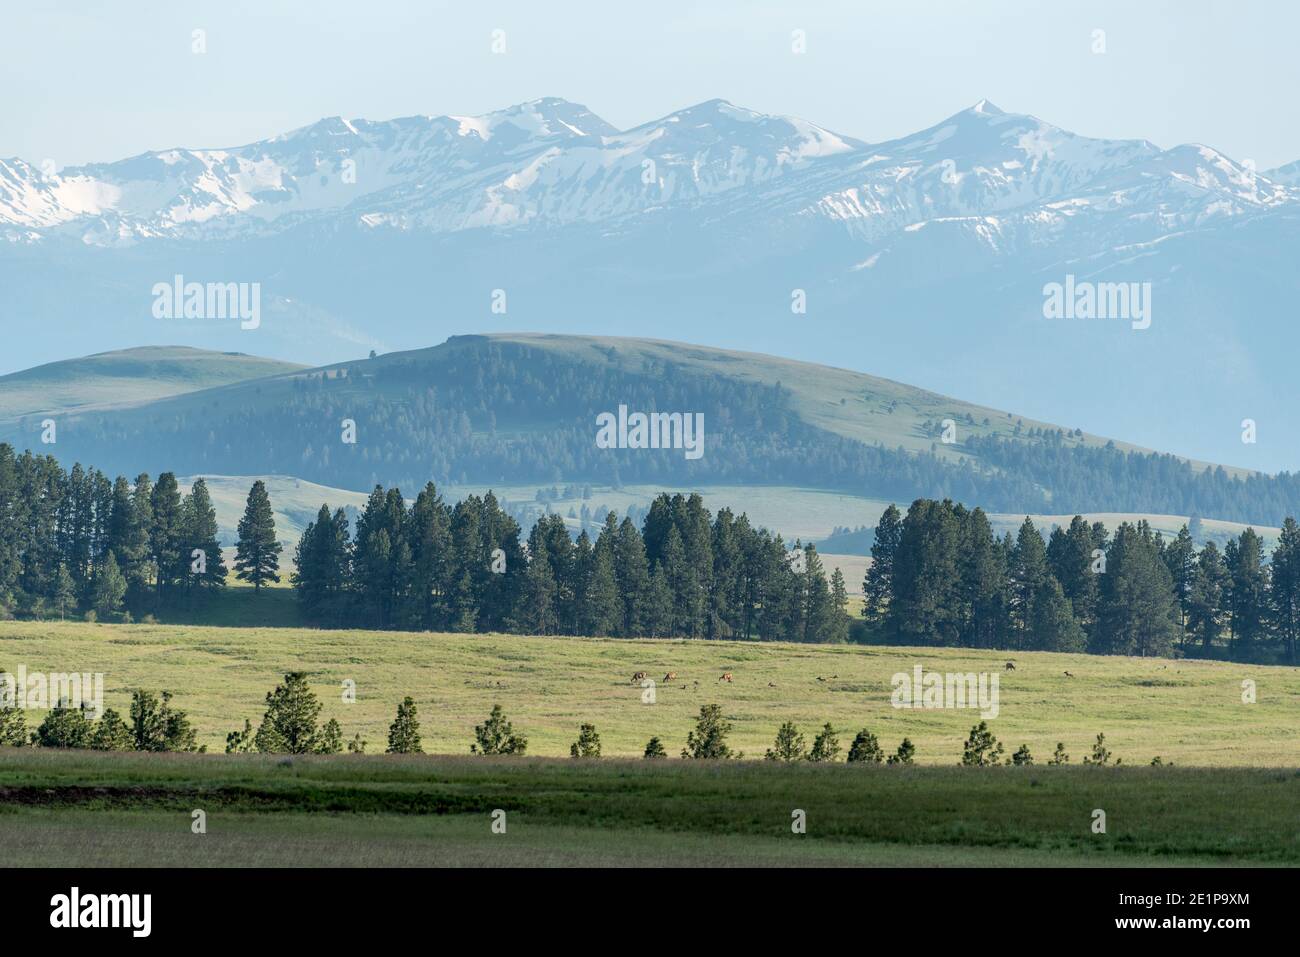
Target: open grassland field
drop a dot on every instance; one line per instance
(60, 808)
(1186, 711)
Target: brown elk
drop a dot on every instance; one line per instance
(1011, 666)
(639, 676)
(726, 676)
(670, 676)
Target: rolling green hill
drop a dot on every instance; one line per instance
(131, 376)
(854, 405)
(514, 410)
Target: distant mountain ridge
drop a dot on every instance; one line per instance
(553, 163)
(923, 257)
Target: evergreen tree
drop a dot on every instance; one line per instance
(1206, 606)
(1180, 559)
(322, 567)
(877, 586)
(1028, 574)
(603, 609)
(632, 573)
(199, 534)
(826, 746)
(653, 749)
(132, 516)
(65, 592)
(13, 721)
(657, 606)
(538, 614)
(925, 606)
(818, 616)
(905, 754)
(681, 583)
(497, 736)
(837, 631)
(241, 742)
(788, 746)
(1100, 754)
(1284, 590)
(404, 732)
(166, 534)
(257, 553)
(110, 587)
(289, 724)
(157, 726)
(1052, 624)
(110, 733)
(709, 739)
(433, 561)
(1022, 757)
(865, 749)
(984, 588)
(1248, 591)
(329, 739)
(1070, 561)
(64, 727)
(1137, 614)
(982, 749)
(588, 743)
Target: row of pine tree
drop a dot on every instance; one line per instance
(465, 567)
(73, 540)
(939, 576)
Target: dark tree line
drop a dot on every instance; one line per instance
(939, 576)
(1107, 479)
(466, 567)
(74, 540)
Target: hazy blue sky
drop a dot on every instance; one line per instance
(85, 80)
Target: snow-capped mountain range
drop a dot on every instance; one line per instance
(924, 258)
(550, 162)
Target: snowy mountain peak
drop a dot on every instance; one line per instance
(328, 126)
(552, 162)
(541, 118)
(986, 108)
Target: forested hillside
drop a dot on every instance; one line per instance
(515, 410)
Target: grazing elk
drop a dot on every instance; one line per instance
(639, 676)
(726, 676)
(1011, 666)
(670, 676)
(1068, 675)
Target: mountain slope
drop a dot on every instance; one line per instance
(125, 377)
(519, 409)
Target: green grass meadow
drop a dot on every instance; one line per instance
(61, 807)
(1232, 795)
(1186, 711)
